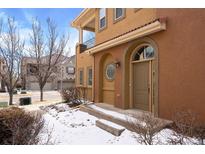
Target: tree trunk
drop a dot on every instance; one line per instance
(41, 90)
(11, 98)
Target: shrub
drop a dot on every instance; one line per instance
(146, 126)
(199, 133)
(18, 127)
(25, 101)
(72, 96)
(185, 127)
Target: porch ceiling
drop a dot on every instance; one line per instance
(86, 20)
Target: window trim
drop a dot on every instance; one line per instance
(102, 28)
(115, 20)
(88, 68)
(79, 70)
(70, 67)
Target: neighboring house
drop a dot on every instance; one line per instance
(63, 78)
(146, 59)
(2, 67)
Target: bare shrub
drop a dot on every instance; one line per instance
(146, 126)
(199, 133)
(184, 127)
(18, 127)
(72, 96)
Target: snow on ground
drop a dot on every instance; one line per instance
(77, 127)
(72, 126)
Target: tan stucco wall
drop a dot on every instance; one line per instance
(116, 53)
(133, 19)
(180, 59)
(84, 61)
(181, 63)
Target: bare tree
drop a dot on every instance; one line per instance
(48, 51)
(11, 52)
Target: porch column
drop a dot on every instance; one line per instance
(80, 35)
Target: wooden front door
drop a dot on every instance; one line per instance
(141, 89)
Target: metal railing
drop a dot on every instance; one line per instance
(89, 43)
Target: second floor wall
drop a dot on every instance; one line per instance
(132, 18)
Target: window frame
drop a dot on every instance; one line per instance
(89, 68)
(67, 67)
(105, 73)
(144, 58)
(115, 20)
(79, 79)
(99, 19)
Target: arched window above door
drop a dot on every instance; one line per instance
(144, 52)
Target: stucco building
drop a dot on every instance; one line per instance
(146, 59)
(63, 78)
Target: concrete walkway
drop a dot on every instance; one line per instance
(50, 97)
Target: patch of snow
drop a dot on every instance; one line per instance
(72, 126)
(76, 127)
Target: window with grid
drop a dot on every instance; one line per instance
(119, 13)
(102, 18)
(81, 77)
(90, 78)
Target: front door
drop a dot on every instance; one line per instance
(141, 84)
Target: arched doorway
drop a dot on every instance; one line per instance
(107, 79)
(146, 65)
(141, 77)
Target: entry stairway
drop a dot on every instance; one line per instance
(115, 120)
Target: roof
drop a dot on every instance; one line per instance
(82, 16)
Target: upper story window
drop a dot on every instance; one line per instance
(102, 18)
(70, 70)
(119, 13)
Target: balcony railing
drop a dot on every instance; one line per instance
(89, 43)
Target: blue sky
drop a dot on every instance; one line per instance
(63, 18)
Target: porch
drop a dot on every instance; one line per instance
(120, 116)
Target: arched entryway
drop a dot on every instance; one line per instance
(140, 76)
(107, 79)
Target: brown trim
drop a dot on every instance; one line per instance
(106, 20)
(120, 18)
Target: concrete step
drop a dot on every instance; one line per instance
(110, 127)
(117, 117)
